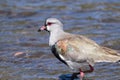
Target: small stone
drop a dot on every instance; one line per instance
(20, 54)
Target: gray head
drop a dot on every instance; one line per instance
(52, 24)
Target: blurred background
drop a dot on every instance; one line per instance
(20, 20)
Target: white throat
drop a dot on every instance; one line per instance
(55, 36)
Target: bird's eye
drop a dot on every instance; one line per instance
(49, 23)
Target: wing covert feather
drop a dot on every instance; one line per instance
(79, 48)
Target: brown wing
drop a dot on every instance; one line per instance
(80, 48)
(76, 49)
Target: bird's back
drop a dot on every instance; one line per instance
(78, 48)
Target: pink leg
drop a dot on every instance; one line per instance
(91, 68)
(81, 75)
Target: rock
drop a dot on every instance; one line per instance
(20, 54)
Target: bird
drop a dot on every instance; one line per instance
(76, 51)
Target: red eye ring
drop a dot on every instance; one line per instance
(49, 23)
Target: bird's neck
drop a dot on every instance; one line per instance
(55, 36)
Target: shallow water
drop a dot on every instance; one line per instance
(20, 20)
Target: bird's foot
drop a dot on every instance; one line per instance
(81, 75)
(74, 76)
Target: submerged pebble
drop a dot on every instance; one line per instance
(19, 54)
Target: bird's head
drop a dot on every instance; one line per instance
(51, 24)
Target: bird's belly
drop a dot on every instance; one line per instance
(75, 66)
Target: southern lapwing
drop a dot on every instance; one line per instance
(76, 51)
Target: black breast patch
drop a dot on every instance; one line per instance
(54, 51)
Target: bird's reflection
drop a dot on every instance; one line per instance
(68, 77)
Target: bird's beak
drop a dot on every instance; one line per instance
(42, 28)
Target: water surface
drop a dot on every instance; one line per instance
(20, 20)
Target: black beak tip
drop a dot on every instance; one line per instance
(39, 30)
